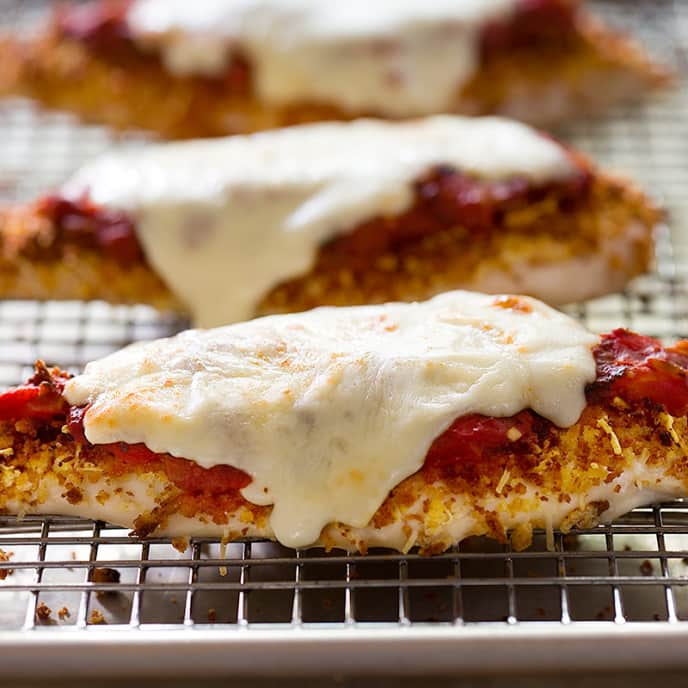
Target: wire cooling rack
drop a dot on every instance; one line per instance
(84, 592)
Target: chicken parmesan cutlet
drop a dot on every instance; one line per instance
(331, 214)
(214, 67)
(400, 426)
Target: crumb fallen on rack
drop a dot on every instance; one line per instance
(604, 613)
(43, 611)
(646, 568)
(105, 575)
(96, 617)
(5, 556)
(63, 613)
(212, 615)
(181, 544)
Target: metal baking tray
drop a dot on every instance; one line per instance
(613, 596)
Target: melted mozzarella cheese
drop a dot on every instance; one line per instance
(223, 221)
(396, 57)
(328, 410)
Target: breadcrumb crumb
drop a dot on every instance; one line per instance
(96, 617)
(5, 556)
(43, 611)
(105, 575)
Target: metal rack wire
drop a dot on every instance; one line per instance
(634, 570)
(59, 570)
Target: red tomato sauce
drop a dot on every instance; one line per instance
(533, 23)
(92, 226)
(472, 437)
(186, 475)
(444, 198)
(39, 398)
(636, 368)
(31, 401)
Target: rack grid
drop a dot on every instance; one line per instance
(56, 574)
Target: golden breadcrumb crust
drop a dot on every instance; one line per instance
(580, 76)
(612, 450)
(613, 223)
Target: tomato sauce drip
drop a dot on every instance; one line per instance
(92, 226)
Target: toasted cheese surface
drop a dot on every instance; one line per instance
(395, 57)
(223, 221)
(328, 410)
